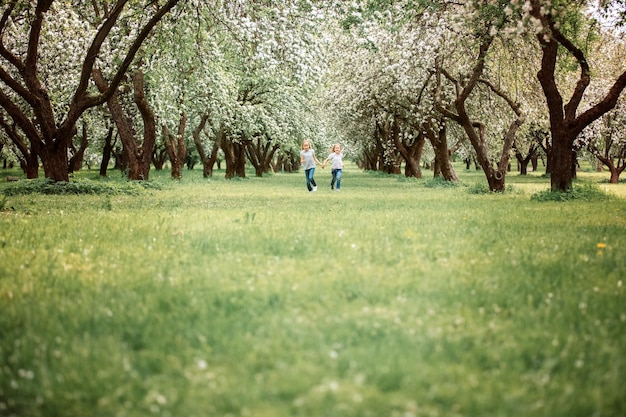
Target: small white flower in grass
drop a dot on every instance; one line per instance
(201, 364)
(353, 246)
(26, 374)
(333, 386)
(334, 354)
(579, 363)
(619, 284)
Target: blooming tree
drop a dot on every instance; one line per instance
(45, 96)
(553, 24)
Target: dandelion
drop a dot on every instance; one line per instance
(601, 245)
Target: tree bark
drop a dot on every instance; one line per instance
(176, 146)
(235, 158)
(29, 159)
(76, 161)
(439, 141)
(207, 170)
(106, 152)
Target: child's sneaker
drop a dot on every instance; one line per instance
(315, 188)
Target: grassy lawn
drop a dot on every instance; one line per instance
(256, 298)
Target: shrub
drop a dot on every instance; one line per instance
(440, 182)
(483, 188)
(582, 192)
(79, 186)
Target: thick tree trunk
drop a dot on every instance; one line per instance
(55, 163)
(240, 160)
(145, 150)
(229, 156)
(614, 176)
(137, 156)
(411, 153)
(562, 161)
(176, 147)
(439, 141)
(523, 165)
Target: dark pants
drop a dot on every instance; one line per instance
(310, 182)
(336, 179)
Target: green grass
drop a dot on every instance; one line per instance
(253, 297)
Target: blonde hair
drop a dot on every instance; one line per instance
(306, 141)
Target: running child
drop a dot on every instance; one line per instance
(308, 161)
(336, 156)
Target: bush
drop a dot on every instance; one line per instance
(440, 182)
(79, 186)
(582, 192)
(483, 188)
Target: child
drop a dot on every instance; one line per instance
(308, 160)
(337, 165)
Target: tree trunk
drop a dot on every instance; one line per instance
(523, 165)
(29, 158)
(229, 156)
(106, 152)
(439, 141)
(55, 162)
(159, 157)
(207, 170)
(240, 160)
(608, 160)
(144, 152)
(411, 153)
(76, 161)
(215, 153)
(136, 156)
(176, 147)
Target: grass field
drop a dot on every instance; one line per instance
(256, 298)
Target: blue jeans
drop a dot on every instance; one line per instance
(310, 182)
(336, 179)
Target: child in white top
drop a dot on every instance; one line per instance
(336, 156)
(308, 160)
